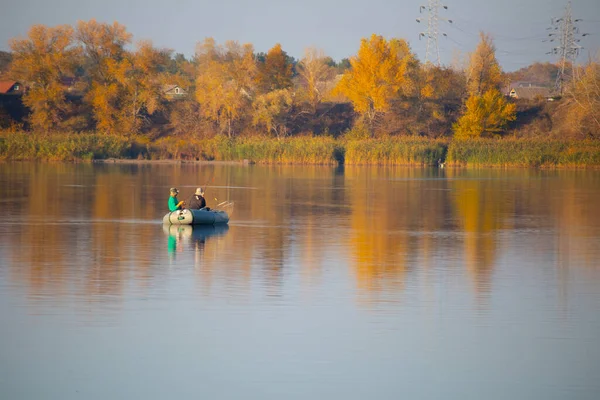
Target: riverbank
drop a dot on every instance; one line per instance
(308, 150)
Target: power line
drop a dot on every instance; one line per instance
(456, 42)
(432, 31)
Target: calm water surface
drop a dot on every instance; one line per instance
(329, 283)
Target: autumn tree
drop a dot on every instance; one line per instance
(380, 72)
(315, 71)
(103, 48)
(438, 92)
(486, 114)
(486, 110)
(41, 61)
(484, 71)
(185, 118)
(225, 81)
(275, 72)
(183, 69)
(438, 83)
(132, 90)
(100, 43)
(408, 67)
(5, 61)
(583, 100)
(271, 110)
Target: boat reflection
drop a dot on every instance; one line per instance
(191, 237)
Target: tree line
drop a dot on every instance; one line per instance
(231, 89)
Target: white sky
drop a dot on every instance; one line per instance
(518, 26)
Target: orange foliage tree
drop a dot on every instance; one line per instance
(101, 42)
(275, 73)
(379, 73)
(103, 47)
(133, 89)
(40, 61)
(224, 84)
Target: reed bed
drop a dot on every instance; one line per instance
(295, 150)
(395, 151)
(264, 150)
(62, 147)
(543, 153)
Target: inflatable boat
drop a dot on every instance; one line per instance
(196, 217)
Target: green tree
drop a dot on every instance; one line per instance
(343, 65)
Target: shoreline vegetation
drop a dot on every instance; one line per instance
(84, 93)
(304, 150)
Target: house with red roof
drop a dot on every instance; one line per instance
(11, 87)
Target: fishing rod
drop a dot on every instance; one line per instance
(201, 188)
(211, 181)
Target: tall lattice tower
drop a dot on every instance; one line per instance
(566, 33)
(433, 19)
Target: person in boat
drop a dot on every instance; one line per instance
(174, 204)
(197, 201)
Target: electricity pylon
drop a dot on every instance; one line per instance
(566, 34)
(433, 19)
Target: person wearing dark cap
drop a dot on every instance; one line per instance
(197, 201)
(175, 204)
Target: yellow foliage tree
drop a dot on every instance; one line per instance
(484, 72)
(378, 74)
(408, 66)
(272, 109)
(275, 73)
(224, 85)
(41, 61)
(485, 114)
(315, 74)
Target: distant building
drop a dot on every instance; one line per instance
(524, 84)
(173, 91)
(69, 83)
(11, 87)
(530, 93)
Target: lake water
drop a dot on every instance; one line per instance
(328, 283)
